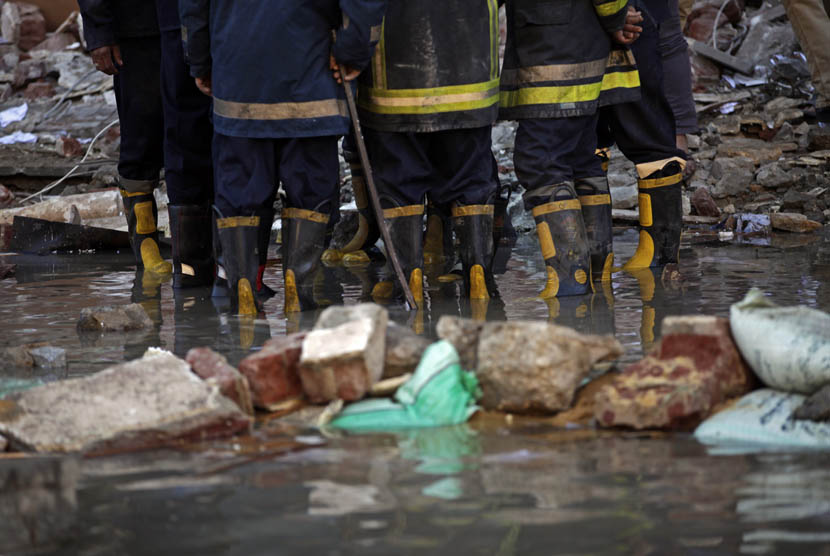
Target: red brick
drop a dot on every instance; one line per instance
(209, 365)
(272, 372)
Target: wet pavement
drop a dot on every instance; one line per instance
(494, 486)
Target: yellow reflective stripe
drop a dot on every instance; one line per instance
(237, 221)
(434, 92)
(557, 206)
(379, 59)
(494, 38)
(472, 210)
(621, 79)
(647, 168)
(551, 95)
(594, 200)
(659, 182)
(610, 8)
(304, 214)
(554, 72)
(279, 110)
(409, 210)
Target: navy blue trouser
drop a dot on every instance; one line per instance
(450, 166)
(550, 151)
(643, 130)
(248, 172)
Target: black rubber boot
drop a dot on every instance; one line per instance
(438, 244)
(563, 240)
(406, 229)
(474, 225)
(266, 221)
(503, 231)
(595, 199)
(303, 242)
(221, 290)
(190, 230)
(142, 218)
(238, 236)
(661, 218)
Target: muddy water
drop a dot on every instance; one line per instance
(490, 487)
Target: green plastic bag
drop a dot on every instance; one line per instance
(439, 393)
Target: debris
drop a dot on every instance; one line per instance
(736, 63)
(39, 89)
(3, 444)
(463, 334)
(147, 403)
(793, 222)
(6, 196)
(22, 24)
(68, 147)
(404, 349)
(753, 223)
(787, 347)
(733, 176)
(773, 176)
(7, 270)
(273, 372)
(814, 408)
(48, 357)
(33, 235)
(213, 367)
(703, 203)
(114, 318)
(100, 204)
(18, 137)
(389, 386)
(439, 393)
(694, 367)
(758, 151)
(528, 366)
(764, 418)
(11, 115)
(343, 355)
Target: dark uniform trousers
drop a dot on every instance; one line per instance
(249, 170)
(450, 166)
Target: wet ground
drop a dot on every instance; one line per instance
(494, 486)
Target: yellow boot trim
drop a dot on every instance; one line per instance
(331, 256)
(409, 210)
(545, 240)
(594, 200)
(383, 290)
(552, 284)
(359, 237)
(607, 268)
(356, 258)
(237, 221)
(416, 285)
(478, 286)
(472, 210)
(245, 295)
(647, 328)
(647, 168)
(151, 258)
(643, 255)
(553, 308)
(304, 214)
(556, 206)
(145, 223)
(478, 309)
(434, 240)
(292, 298)
(646, 214)
(247, 324)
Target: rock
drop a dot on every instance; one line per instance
(213, 367)
(343, 355)
(814, 408)
(819, 138)
(624, 197)
(787, 347)
(793, 222)
(528, 366)
(27, 71)
(273, 372)
(57, 42)
(728, 125)
(20, 356)
(785, 116)
(773, 175)
(758, 151)
(404, 349)
(463, 335)
(694, 368)
(703, 203)
(68, 147)
(22, 24)
(39, 89)
(796, 200)
(705, 72)
(100, 204)
(733, 176)
(48, 357)
(785, 134)
(146, 403)
(778, 104)
(6, 196)
(114, 318)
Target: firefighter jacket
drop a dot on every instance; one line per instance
(559, 60)
(269, 61)
(435, 68)
(107, 21)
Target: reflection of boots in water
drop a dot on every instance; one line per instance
(193, 314)
(570, 311)
(405, 225)
(657, 287)
(146, 292)
(239, 239)
(438, 246)
(602, 309)
(142, 219)
(595, 199)
(563, 240)
(303, 242)
(661, 216)
(192, 237)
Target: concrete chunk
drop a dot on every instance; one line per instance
(273, 371)
(114, 318)
(213, 367)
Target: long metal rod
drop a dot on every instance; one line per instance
(373, 195)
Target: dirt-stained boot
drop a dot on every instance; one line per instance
(192, 236)
(303, 242)
(239, 238)
(438, 245)
(474, 225)
(661, 217)
(406, 229)
(595, 199)
(563, 240)
(142, 219)
(266, 221)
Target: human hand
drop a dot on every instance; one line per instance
(107, 59)
(351, 73)
(631, 30)
(205, 85)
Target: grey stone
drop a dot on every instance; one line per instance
(819, 138)
(795, 200)
(733, 176)
(624, 197)
(463, 334)
(114, 318)
(341, 314)
(17, 356)
(815, 407)
(48, 357)
(785, 134)
(404, 349)
(728, 125)
(146, 403)
(532, 366)
(693, 141)
(773, 175)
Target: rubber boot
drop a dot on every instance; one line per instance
(142, 217)
(239, 237)
(303, 242)
(221, 289)
(190, 230)
(661, 218)
(474, 224)
(503, 231)
(563, 241)
(438, 245)
(595, 199)
(266, 221)
(406, 225)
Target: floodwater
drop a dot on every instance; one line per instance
(494, 486)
